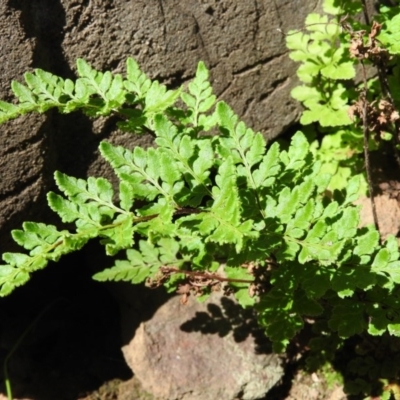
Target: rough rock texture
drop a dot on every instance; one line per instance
(203, 351)
(388, 213)
(237, 39)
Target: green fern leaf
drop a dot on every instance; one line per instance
(195, 159)
(390, 36)
(275, 314)
(295, 158)
(269, 168)
(348, 318)
(119, 235)
(85, 70)
(308, 70)
(116, 93)
(126, 196)
(47, 87)
(246, 147)
(23, 93)
(131, 167)
(137, 82)
(317, 231)
(160, 224)
(303, 215)
(158, 98)
(87, 217)
(8, 111)
(144, 263)
(331, 210)
(352, 189)
(223, 223)
(36, 237)
(200, 98)
(344, 70)
(80, 190)
(11, 277)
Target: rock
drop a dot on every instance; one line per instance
(203, 351)
(387, 210)
(237, 40)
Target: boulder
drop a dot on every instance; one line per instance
(202, 351)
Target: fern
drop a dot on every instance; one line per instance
(143, 264)
(199, 99)
(94, 93)
(328, 54)
(198, 201)
(391, 35)
(325, 65)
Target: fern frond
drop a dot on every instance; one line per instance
(45, 244)
(196, 201)
(150, 173)
(194, 159)
(200, 99)
(137, 82)
(95, 93)
(143, 264)
(324, 63)
(223, 224)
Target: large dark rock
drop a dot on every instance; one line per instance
(238, 40)
(202, 351)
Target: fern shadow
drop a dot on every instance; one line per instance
(228, 318)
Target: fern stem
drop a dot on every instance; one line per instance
(366, 148)
(205, 275)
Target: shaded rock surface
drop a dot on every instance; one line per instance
(72, 337)
(203, 351)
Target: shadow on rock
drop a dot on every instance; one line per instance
(229, 317)
(203, 351)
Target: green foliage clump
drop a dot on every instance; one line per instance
(94, 93)
(324, 67)
(349, 73)
(330, 51)
(213, 206)
(325, 72)
(197, 201)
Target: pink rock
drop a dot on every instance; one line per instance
(203, 351)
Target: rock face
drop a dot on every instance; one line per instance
(203, 351)
(238, 41)
(388, 213)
